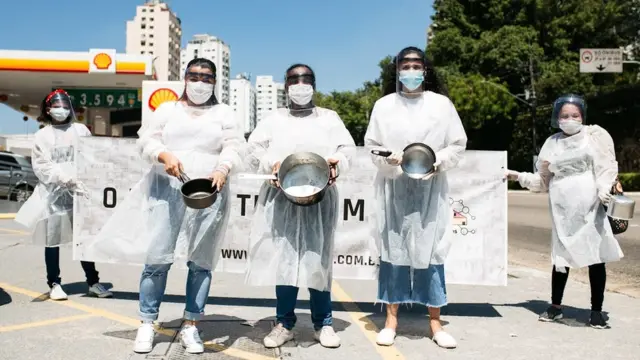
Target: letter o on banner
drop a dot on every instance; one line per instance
(109, 201)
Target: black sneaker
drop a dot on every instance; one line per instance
(597, 320)
(552, 314)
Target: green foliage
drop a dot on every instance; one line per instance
(630, 181)
(488, 52)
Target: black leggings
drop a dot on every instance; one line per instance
(52, 261)
(597, 280)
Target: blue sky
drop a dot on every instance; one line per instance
(342, 40)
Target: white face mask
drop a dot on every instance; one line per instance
(59, 114)
(199, 92)
(301, 94)
(570, 127)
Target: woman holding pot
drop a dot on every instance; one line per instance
(291, 246)
(577, 167)
(413, 215)
(194, 136)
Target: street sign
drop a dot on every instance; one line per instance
(601, 60)
(105, 98)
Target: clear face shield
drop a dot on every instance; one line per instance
(199, 86)
(410, 73)
(300, 84)
(60, 108)
(569, 109)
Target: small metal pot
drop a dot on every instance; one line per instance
(299, 169)
(198, 193)
(621, 207)
(417, 159)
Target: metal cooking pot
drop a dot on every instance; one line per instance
(417, 159)
(621, 207)
(301, 169)
(198, 193)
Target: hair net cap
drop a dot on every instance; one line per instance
(568, 99)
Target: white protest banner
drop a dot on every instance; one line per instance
(109, 167)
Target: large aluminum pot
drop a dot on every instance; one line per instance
(303, 170)
(621, 207)
(417, 160)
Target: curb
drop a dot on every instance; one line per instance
(8, 216)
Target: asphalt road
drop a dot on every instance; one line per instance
(488, 322)
(530, 239)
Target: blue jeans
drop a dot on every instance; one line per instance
(398, 284)
(320, 304)
(154, 282)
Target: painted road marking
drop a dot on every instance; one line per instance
(7, 216)
(360, 318)
(13, 231)
(240, 354)
(44, 323)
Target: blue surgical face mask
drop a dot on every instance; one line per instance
(411, 79)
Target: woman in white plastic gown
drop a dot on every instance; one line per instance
(577, 167)
(291, 246)
(413, 215)
(201, 138)
(48, 213)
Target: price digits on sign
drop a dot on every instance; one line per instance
(96, 99)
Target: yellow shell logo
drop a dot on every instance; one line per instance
(102, 61)
(161, 96)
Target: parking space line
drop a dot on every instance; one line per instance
(34, 324)
(363, 322)
(237, 353)
(13, 231)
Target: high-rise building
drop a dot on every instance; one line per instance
(243, 101)
(156, 31)
(216, 50)
(270, 96)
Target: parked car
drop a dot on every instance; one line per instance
(17, 179)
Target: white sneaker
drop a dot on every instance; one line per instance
(190, 340)
(327, 337)
(444, 340)
(56, 293)
(277, 337)
(144, 339)
(386, 337)
(99, 291)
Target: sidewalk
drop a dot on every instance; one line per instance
(488, 322)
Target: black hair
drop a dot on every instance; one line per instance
(432, 81)
(205, 64)
(46, 117)
(294, 66)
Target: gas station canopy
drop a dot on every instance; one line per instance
(99, 78)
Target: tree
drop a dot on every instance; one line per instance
(513, 43)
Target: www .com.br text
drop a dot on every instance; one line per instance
(339, 259)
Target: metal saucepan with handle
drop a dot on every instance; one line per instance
(198, 193)
(417, 159)
(621, 207)
(303, 177)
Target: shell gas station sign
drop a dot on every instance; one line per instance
(98, 78)
(155, 93)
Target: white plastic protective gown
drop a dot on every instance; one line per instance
(292, 244)
(413, 217)
(153, 225)
(573, 169)
(48, 213)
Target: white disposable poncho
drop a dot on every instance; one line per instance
(292, 244)
(153, 225)
(573, 170)
(48, 213)
(413, 217)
